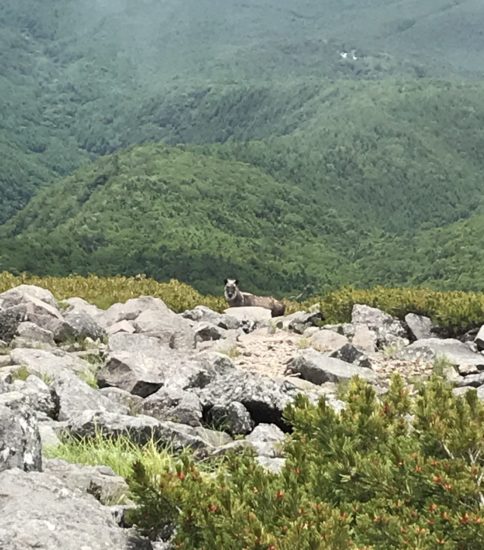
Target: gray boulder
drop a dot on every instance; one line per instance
(363, 338)
(20, 445)
(99, 481)
(41, 399)
(31, 335)
(303, 320)
(167, 326)
(388, 329)
(82, 325)
(122, 326)
(267, 440)
(205, 332)
(233, 418)
(80, 305)
(122, 397)
(203, 314)
(419, 326)
(142, 429)
(130, 310)
(174, 404)
(351, 354)
(135, 343)
(263, 398)
(258, 315)
(52, 364)
(40, 511)
(474, 380)
(143, 374)
(456, 352)
(327, 340)
(10, 319)
(75, 396)
(24, 294)
(318, 368)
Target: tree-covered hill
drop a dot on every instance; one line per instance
(170, 212)
(79, 79)
(365, 155)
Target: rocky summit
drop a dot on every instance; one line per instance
(211, 382)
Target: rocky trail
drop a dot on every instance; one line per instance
(213, 382)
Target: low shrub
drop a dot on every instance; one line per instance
(390, 473)
(455, 312)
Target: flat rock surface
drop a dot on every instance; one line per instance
(38, 511)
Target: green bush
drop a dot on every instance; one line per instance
(390, 473)
(454, 312)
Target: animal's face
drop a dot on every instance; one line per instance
(231, 288)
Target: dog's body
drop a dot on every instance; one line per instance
(236, 298)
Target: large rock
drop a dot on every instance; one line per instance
(267, 439)
(122, 397)
(41, 399)
(233, 418)
(456, 352)
(318, 368)
(474, 380)
(351, 354)
(20, 445)
(203, 314)
(143, 374)
(303, 320)
(168, 327)
(75, 396)
(31, 335)
(99, 481)
(80, 305)
(53, 364)
(24, 294)
(328, 340)
(173, 404)
(130, 310)
(38, 511)
(135, 343)
(82, 325)
(142, 429)
(364, 338)
(251, 314)
(388, 329)
(419, 326)
(262, 397)
(10, 319)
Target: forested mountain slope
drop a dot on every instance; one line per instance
(356, 111)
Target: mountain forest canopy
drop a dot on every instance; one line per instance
(295, 146)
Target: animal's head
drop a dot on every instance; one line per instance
(231, 288)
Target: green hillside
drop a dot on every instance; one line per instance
(82, 79)
(353, 118)
(172, 213)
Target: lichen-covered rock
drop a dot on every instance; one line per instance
(267, 439)
(83, 326)
(327, 340)
(20, 445)
(419, 326)
(318, 368)
(233, 418)
(99, 481)
(174, 404)
(40, 511)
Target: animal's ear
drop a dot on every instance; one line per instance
(237, 282)
(226, 281)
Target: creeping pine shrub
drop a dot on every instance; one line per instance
(385, 473)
